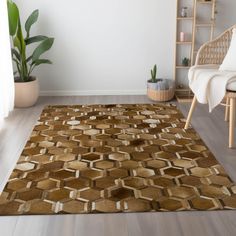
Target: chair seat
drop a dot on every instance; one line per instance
(231, 86)
(213, 68)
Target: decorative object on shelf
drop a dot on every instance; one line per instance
(182, 36)
(184, 12)
(185, 61)
(180, 86)
(158, 89)
(26, 85)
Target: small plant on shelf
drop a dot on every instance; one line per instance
(186, 61)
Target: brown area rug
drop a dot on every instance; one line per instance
(115, 158)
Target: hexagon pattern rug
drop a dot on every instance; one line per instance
(115, 158)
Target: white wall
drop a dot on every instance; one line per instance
(226, 15)
(108, 46)
(104, 46)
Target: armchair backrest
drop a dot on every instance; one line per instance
(214, 52)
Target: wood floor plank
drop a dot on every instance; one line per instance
(7, 225)
(211, 127)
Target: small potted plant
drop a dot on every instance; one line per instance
(26, 85)
(152, 82)
(185, 61)
(159, 89)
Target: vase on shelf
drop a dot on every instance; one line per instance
(184, 12)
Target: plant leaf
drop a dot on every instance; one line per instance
(29, 58)
(17, 43)
(35, 39)
(15, 53)
(155, 71)
(13, 17)
(42, 48)
(20, 39)
(30, 21)
(17, 62)
(41, 61)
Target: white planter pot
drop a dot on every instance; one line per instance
(151, 85)
(26, 93)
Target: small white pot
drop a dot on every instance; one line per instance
(26, 93)
(151, 85)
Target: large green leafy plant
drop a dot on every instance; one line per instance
(25, 64)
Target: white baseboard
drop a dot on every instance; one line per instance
(91, 92)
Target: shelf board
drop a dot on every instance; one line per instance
(184, 18)
(184, 95)
(185, 42)
(205, 2)
(204, 24)
(179, 90)
(182, 67)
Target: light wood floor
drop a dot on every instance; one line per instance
(211, 128)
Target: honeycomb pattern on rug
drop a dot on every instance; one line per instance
(115, 158)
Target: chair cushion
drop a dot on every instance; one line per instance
(229, 63)
(231, 86)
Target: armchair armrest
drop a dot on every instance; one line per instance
(214, 52)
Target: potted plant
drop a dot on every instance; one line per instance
(185, 61)
(159, 89)
(157, 83)
(26, 85)
(152, 82)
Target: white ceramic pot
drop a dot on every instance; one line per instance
(151, 85)
(26, 93)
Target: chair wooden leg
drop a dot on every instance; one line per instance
(232, 122)
(227, 109)
(190, 114)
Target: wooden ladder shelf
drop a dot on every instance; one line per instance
(191, 25)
